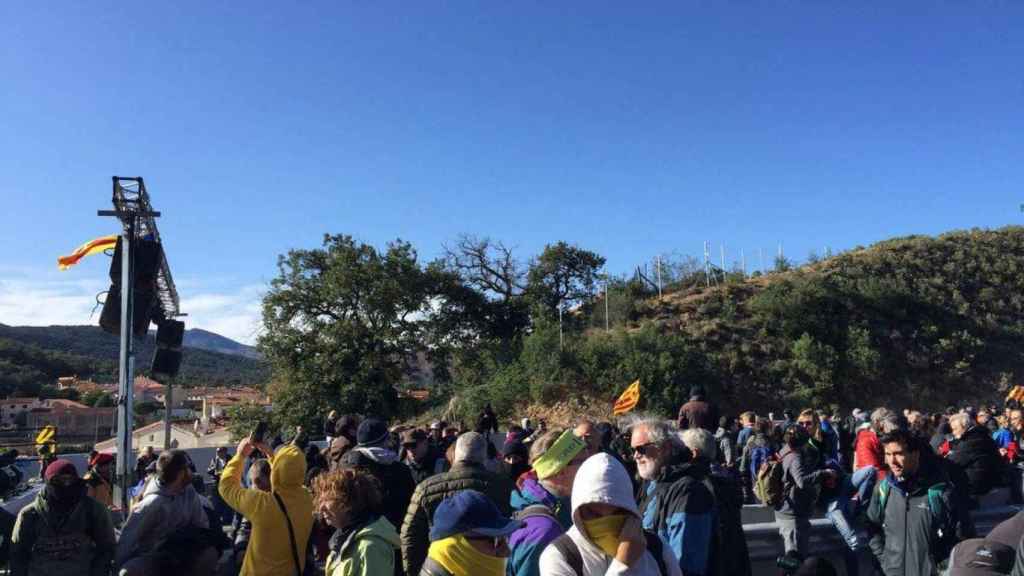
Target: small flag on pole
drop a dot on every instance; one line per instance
(46, 441)
(91, 247)
(629, 399)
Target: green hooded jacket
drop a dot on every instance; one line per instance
(81, 545)
(370, 551)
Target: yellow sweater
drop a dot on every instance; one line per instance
(270, 550)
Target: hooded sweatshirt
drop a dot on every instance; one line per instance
(79, 544)
(270, 550)
(158, 514)
(396, 482)
(602, 479)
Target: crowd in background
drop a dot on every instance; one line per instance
(644, 495)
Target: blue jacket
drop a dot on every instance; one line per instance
(680, 507)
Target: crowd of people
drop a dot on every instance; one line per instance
(644, 495)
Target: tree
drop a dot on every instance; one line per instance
(242, 419)
(490, 270)
(340, 325)
(563, 275)
(98, 399)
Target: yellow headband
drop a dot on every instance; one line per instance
(559, 455)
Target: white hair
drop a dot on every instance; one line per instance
(659, 430)
(701, 441)
(960, 420)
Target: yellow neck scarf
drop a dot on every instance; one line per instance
(460, 558)
(604, 532)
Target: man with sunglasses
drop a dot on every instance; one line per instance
(63, 531)
(677, 502)
(421, 456)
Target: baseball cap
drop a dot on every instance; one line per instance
(470, 512)
(980, 557)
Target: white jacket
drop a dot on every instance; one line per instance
(602, 479)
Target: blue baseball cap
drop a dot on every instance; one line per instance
(470, 512)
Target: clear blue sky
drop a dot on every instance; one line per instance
(630, 130)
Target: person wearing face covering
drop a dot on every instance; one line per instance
(606, 538)
(63, 531)
(468, 538)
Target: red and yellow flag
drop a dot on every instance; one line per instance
(91, 247)
(628, 400)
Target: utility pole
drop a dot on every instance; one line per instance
(560, 337)
(743, 263)
(659, 276)
(607, 324)
(168, 407)
(722, 246)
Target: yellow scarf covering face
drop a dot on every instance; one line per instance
(604, 532)
(460, 558)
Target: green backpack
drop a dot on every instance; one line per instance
(936, 504)
(770, 486)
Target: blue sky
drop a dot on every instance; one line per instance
(631, 130)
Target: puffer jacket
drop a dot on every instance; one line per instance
(270, 550)
(431, 492)
(921, 519)
(545, 518)
(976, 453)
(868, 451)
(368, 551)
(602, 479)
(81, 545)
(158, 514)
(680, 507)
(395, 479)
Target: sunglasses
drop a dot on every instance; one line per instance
(644, 449)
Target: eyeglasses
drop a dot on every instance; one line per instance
(644, 449)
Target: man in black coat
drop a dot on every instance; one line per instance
(976, 453)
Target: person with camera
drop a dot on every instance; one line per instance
(282, 519)
(63, 531)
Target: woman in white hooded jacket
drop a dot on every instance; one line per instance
(606, 528)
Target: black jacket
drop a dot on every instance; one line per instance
(915, 524)
(977, 454)
(433, 464)
(396, 482)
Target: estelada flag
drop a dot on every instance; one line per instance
(629, 399)
(94, 246)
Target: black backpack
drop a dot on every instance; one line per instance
(571, 552)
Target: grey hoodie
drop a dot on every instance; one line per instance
(158, 514)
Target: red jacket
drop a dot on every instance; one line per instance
(868, 452)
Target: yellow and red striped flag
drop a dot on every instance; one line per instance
(94, 246)
(628, 400)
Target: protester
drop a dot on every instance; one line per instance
(915, 516)
(726, 448)
(515, 459)
(541, 499)
(1004, 439)
(241, 528)
(145, 459)
(976, 453)
(281, 519)
(759, 449)
(191, 551)
(698, 412)
(98, 480)
(468, 537)
(587, 430)
(677, 503)
(727, 554)
(487, 422)
(801, 479)
(373, 453)
(607, 536)
(62, 532)
(214, 470)
(168, 504)
(330, 426)
(467, 473)
(364, 541)
(748, 421)
(422, 457)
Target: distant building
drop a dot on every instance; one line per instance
(182, 436)
(11, 407)
(75, 422)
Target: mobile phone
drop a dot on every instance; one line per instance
(259, 432)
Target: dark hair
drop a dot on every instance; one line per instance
(725, 421)
(903, 437)
(170, 465)
(795, 436)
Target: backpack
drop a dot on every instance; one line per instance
(770, 486)
(936, 505)
(571, 552)
(758, 455)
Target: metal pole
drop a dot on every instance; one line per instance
(560, 340)
(606, 322)
(126, 368)
(168, 406)
(659, 276)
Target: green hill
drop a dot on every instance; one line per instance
(915, 321)
(32, 357)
